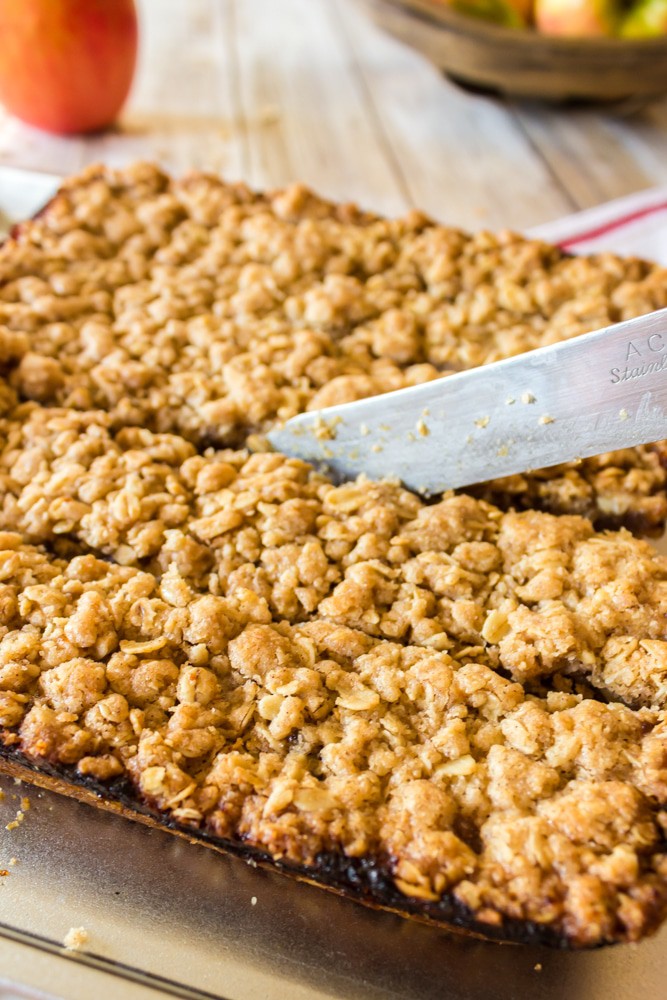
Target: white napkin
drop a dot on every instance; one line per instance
(633, 226)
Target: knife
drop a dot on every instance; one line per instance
(593, 393)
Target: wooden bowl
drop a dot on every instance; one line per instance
(523, 63)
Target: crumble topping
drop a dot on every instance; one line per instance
(531, 593)
(208, 310)
(471, 697)
(315, 737)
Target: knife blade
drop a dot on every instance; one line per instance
(594, 393)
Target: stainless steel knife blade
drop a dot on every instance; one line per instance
(594, 393)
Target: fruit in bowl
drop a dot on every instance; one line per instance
(511, 13)
(621, 56)
(575, 18)
(572, 18)
(647, 19)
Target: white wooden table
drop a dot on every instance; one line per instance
(272, 91)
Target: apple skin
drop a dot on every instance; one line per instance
(576, 18)
(647, 19)
(524, 9)
(66, 66)
(506, 12)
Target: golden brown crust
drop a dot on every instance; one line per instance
(401, 700)
(530, 593)
(206, 309)
(316, 739)
(366, 884)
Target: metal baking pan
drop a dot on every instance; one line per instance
(168, 918)
(165, 917)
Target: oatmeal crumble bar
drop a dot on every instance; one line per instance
(317, 739)
(530, 593)
(453, 709)
(204, 309)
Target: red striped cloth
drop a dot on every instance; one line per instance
(632, 226)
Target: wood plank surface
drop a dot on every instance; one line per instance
(306, 113)
(310, 90)
(464, 157)
(598, 156)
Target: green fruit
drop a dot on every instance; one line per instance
(647, 19)
(491, 10)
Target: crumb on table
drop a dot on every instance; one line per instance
(76, 938)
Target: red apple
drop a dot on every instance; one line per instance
(576, 18)
(66, 65)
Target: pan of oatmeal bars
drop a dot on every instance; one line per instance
(447, 714)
